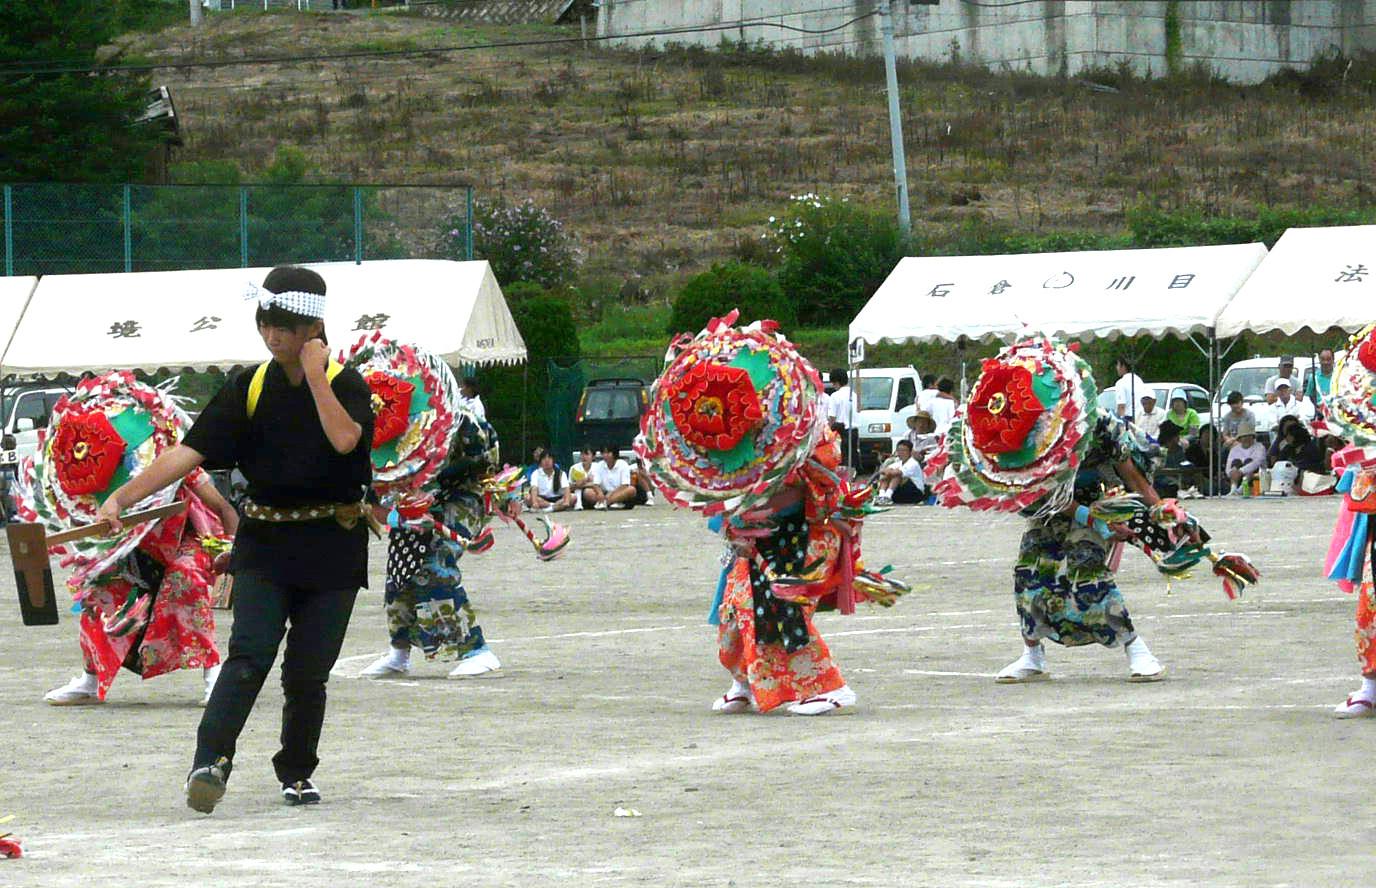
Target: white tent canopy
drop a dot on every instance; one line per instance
(201, 319)
(1080, 295)
(1318, 278)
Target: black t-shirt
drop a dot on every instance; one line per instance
(288, 461)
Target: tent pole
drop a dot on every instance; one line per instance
(525, 389)
(1213, 407)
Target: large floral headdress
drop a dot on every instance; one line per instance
(415, 404)
(734, 413)
(1352, 405)
(1021, 435)
(105, 432)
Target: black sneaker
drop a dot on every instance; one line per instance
(206, 786)
(302, 792)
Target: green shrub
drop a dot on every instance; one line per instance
(748, 288)
(522, 241)
(833, 256)
(1151, 227)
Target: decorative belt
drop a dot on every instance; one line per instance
(347, 514)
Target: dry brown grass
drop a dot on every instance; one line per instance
(664, 161)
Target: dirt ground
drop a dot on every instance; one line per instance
(1230, 772)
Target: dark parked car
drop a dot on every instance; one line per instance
(609, 413)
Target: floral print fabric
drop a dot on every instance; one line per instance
(1063, 589)
(425, 600)
(775, 673)
(171, 564)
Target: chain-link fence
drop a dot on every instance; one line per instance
(83, 229)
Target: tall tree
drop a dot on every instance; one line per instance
(72, 127)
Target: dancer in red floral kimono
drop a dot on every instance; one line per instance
(736, 428)
(143, 595)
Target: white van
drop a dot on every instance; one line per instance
(1249, 377)
(23, 411)
(886, 397)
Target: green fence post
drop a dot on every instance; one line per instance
(128, 235)
(468, 241)
(358, 225)
(9, 233)
(243, 227)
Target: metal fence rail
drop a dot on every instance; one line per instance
(81, 229)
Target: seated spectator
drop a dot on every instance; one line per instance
(613, 487)
(1150, 417)
(1278, 436)
(1246, 458)
(1197, 481)
(581, 480)
(535, 456)
(1233, 419)
(1170, 460)
(1184, 416)
(943, 409)
(469, 397)
(640, 477)
(1300, 448)
(901, 479)
(1330, 444)
(1288, 405)
(549, 489)
(922, 435)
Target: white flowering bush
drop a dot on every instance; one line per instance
(522, 241)
(832, 255)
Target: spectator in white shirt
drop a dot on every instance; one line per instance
(943, 410)
(549, 489)
(613, 486)
(922, 435)
(900, 478)
(1127, 390)
(581, 479)
(1288, 405)
(1245, 459)
(469, 397)
(840, 411)
(1151, 417)
(928, 393)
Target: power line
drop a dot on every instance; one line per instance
(434, 50)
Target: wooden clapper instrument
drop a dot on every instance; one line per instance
(29, 544)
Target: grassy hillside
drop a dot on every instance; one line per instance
(663, 161)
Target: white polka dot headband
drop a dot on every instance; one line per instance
(311, 305)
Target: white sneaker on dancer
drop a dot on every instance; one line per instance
(1361, 704)
(735, 700)
(1142, 664)
(477, 662)
(394, 662)
(825, 704)
(211, 676)
(1031, 666)
(80, 691)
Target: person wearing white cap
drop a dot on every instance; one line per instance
(1287, 404)
(299, 427)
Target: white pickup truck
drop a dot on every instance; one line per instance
(885, 398)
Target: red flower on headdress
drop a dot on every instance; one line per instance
(715, 406)
(1003, 408)
(1366, 352)
(391, 406)
(86, 452)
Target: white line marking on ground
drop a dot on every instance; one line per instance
(940, 672)
(900, 629)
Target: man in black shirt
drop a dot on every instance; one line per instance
(299, 428)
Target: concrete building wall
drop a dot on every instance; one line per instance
(1244, 40)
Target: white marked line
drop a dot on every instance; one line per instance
(940, 672)
(900, 629)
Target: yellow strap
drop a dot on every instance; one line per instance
(260, 375)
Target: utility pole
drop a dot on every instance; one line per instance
(900, 162)
(195, 12)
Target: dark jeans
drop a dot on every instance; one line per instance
(262, 609)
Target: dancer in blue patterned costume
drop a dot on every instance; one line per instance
(426, 603)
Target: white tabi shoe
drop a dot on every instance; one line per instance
(80, 691)
(735, 700)
(1142, 664)
(1354, 707)
(387, 666)
(477, 663)
(212, 675)
(1031, 666)
(825, 704)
